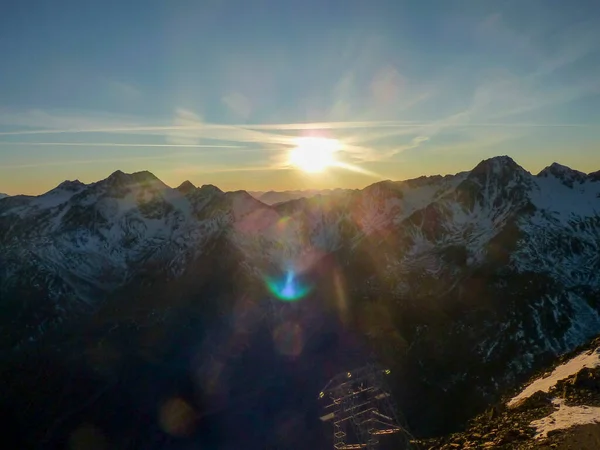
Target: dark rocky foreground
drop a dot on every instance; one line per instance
(584, 437)
(504, 427)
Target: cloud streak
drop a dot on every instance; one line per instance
(498, 100)
(117, 144)
(92, 161)
(237, 131)
(355, 135)
(204, 170)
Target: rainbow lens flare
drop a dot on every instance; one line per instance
(289, 289)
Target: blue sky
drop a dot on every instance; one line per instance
(214, 91)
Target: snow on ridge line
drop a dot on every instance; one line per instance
(565, 417)
(590, 358)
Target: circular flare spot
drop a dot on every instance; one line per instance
(177, 417)
(289, 339)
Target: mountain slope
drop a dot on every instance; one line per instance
(462, 284)
(71, 247)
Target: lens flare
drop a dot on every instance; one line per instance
(177, 417)
(289, 339)
(340, 295)
(289, 289)
(283, 223)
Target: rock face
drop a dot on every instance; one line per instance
(461, 284)
(538, 400)
(581, 388)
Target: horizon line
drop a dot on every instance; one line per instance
(271, 168)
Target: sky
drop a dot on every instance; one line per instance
(218, 91)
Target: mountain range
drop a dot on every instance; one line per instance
(462, 285)
(273, 197)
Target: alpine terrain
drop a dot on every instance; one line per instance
(136, 315)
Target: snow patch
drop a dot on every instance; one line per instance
(565, 417)
(53, 198)
(563, 202)
(589, 359)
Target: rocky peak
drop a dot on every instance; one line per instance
(496, 182)
(241, 195)
(241, 200)
(385, 189)
(117, 175)
(565, 174)
(499, 165)
(209, 189)
(65, 190)
(594, 176)
(423, 181)
(118, 184)
(71, 186)
(500, 171)
(124, 179)
(186, 187)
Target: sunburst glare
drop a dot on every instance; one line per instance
(314, 154)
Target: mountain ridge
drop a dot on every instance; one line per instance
(554, 169)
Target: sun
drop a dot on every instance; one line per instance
(314, 154)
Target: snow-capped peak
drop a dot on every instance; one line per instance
(497, 165)
(568, 176)
(124, 179)
(69, 185)
(495, 184)
(144, 185)
(59, 195)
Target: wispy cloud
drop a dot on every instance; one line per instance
(60, 120)
(238, 104)
(117, 144)
(500, 100)
(245, 132)
(190, 170)
(359, 138)
(123, 90)
(94, 161)
(190, 128)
